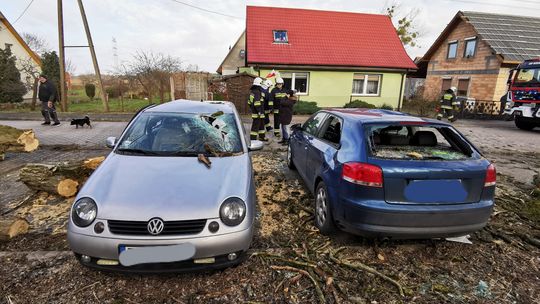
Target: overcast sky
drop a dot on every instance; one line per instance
(200, 37)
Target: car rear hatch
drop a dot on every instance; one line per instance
(426, 164)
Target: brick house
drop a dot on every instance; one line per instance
(328, 57)
(475, 53)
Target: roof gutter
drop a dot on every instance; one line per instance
(327, 67)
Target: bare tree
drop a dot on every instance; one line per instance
(70, 67)
(405, 22)
(31, 71)
(153, 72)
(36, 43)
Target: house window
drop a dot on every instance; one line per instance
(452, 49)
(280, 36)
(366, 84)
(470, 47)
(296, 81)
(463, 87)
(446, 84)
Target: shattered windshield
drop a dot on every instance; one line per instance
(417, 142)
(182, 134)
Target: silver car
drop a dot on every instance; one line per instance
(175, 194)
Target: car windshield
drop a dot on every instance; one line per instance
(182, 134)
(417, 142)
(527, 77)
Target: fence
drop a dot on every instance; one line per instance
(481, 109)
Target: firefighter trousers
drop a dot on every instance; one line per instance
(448, 112)
(257, 126)
(277, 128)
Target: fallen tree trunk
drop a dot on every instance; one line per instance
(10, 228)
(61, 178)
(16, 140)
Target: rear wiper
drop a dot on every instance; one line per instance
(433, 157)
(138, 151)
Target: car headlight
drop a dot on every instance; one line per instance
(233, 211)
(84, 212)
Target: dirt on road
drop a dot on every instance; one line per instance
(291, 262)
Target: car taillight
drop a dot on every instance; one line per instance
(491, 176)
(363, 174)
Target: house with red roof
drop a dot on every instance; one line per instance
(327, 57)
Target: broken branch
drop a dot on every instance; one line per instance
(363, 267)
(318, 289)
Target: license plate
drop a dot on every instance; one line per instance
(134, 255)
(435, 191)
(518, 113)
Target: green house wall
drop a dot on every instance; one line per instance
(334, 88)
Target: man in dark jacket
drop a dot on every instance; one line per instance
(47, 96)
(256, 104)
(285, 114)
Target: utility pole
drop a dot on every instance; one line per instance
(63, 93)
(93, 54)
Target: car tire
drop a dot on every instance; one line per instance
(324, 220)
(290, 162)
(523, 125)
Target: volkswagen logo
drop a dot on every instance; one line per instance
(155, 226)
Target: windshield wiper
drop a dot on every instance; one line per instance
(137, 151)
(185, 153)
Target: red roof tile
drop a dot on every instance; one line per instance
(324, 38)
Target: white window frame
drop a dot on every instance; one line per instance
(280, 42)
(467, 40)
(364, 89)
(293, 78)
(448, 49)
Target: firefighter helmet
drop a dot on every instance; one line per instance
(268, 83)
(257, 81)
(454, 89)
(279, 80)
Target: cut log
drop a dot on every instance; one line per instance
(16, 140)
(10, 228)
(62, 178)
(67, 187)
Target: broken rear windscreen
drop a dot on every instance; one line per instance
(182, 134)
(417, 142)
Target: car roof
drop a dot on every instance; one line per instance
(191, 106)
(362, 115)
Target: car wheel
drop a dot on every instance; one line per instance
(523, 125)
(323, 213)
(290, 163)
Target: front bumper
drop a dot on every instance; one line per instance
(216, 246)
(380, 219)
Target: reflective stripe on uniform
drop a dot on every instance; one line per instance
(254, 133)
(447, 96)
(262, 132)
(276, 111)
(267, 111)
(439, 115)
(254, 115)
(268, 125)
(270, 103)
(446, 107)
(451, 117)
(251, 98)
(455, 103)
(277, 132)
(257, 103)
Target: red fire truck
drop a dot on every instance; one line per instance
(523, 97)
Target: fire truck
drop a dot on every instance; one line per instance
(523, 97)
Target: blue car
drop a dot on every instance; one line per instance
(381, 173)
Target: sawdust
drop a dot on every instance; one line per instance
(47, 213)
(274, 193)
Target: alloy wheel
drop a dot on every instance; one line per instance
(321, 206)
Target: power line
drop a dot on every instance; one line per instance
(207, 10)
(22, 14)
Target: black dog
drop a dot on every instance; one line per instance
(81, 122)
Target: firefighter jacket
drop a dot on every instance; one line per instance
(278, 95)
(256, 100)
(448, 101)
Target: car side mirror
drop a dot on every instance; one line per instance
(296, 127)
(256, 145)
(111, 142)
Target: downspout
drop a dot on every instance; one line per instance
(401, 91)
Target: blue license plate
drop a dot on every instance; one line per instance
(436, 191)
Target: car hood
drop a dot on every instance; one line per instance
(139, 188)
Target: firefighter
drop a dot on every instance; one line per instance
(278, 94)
(268, 104)
(256, 104)
(448, 103)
